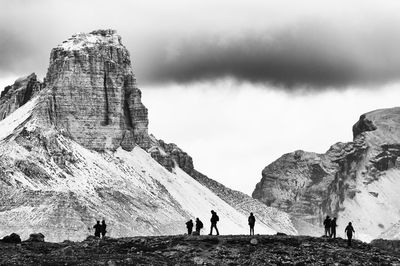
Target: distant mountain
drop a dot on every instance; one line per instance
(357, 181)
(75, 149)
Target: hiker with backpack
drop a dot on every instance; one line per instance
(252, 221)
(199, 226)
(214, 219)
(97, 229)
(189, 226)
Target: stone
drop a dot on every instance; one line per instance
(111, 263)
(254, 241)
(12, 238)
(67, 251)
(36, 237)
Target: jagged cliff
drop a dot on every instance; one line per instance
(76, 149)
(93, 97)
(16, 95)
(356, 181)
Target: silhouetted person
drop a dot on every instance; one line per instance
(327, 225)
(103, 228)
(333, 228)
(97, 229)
(214, 219)
(189, 226)
(349, 230)
(252, 221)
(199, 225)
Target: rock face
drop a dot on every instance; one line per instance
(16, 95)
(356, 181)
(77, 150)
(93, 96)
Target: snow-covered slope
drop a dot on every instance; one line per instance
(62, 195)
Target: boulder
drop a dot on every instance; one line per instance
(36, 237)
(13, 238)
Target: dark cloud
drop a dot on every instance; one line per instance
(309, 55)
(309, 46)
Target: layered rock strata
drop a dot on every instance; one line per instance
(92, 96)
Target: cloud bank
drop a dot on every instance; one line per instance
(308, 55)
(310, 46)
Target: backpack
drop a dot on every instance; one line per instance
(200, 225)
(216, 218)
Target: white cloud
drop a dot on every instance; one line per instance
(233, 133)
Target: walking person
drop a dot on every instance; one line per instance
(199, 225)
(333, 228)
(349, 230)
(189, 226)
(214, 219)
(103, 228)
(327, 225)
(97, 229)
(252, 221)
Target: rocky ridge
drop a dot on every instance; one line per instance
(16, 95)
(356, 181)
(199, 250)
(78, 150)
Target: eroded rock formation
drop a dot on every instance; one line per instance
(16, 95)
(356, 181)
(93, 95)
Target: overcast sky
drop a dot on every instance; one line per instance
(234, 83)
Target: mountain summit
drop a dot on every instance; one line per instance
(76, 149)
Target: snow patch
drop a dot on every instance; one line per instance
(15, 119)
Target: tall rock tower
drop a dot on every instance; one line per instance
(95, 69)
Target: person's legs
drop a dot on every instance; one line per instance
(349, 240)
(211, 229)
(216, 229)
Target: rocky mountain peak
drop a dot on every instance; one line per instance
(82, 40)
(92, 95)
(356, 181)
(16, 95)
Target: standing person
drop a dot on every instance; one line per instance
(252, 221)
(214, 219)
(199, 225)
(333, 228)
(327, 225)
(103, 228)
(189, 226)
(350, 230)
(97, 229)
